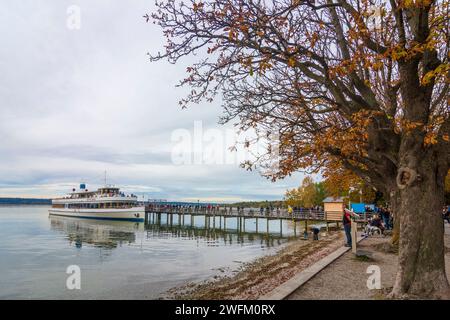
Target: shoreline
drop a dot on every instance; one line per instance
(254, 279)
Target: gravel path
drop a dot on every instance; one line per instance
(346, 278)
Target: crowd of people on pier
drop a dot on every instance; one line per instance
(306, 209)
(213, 208)
(227, 209)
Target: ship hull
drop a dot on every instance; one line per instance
(136, 214)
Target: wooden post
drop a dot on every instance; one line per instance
(281, 227)
(243, 224)
(224, 223)
(256, 224)
(305, 233)
(295, 228)
(353, 232)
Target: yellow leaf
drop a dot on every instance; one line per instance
(291, 62)
(231, 35)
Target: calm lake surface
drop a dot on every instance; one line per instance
(122, 260)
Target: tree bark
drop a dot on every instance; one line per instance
(421, 271)
(396, 233)
(394, 204)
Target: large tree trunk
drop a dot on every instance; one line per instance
(421, 271)
(396, 232)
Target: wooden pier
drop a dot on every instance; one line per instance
(234, 212)
(216, 217)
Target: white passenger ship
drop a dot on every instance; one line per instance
(105, 203)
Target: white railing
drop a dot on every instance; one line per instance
(95, 199)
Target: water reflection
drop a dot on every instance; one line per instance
(212, 231)
(125, 260)
(98, 233)
(214, 235)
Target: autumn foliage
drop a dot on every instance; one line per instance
(309, 194)
(353, 85)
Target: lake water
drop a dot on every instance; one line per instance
(122, 260)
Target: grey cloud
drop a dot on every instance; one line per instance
(74, 103)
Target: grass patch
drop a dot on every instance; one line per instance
(363, 258)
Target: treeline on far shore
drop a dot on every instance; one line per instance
(25, 201)
(258, 204)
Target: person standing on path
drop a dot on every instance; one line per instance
(347, 221)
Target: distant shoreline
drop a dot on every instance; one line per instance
(25, 201)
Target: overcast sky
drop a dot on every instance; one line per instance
(77, 102)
